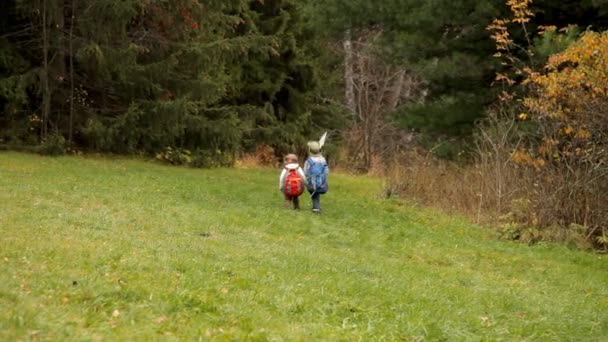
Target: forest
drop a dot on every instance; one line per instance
(496, 109)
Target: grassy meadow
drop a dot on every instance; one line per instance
(96, 248)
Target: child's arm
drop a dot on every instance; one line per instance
(302, 175)
(282, 179)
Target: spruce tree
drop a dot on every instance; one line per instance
(214, 77)
(275, 84)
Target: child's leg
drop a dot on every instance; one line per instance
(287, 201)
(316, 201)
(296, 202)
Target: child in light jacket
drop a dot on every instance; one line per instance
(292, 181)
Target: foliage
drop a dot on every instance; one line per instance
(441, 41)
(557, 137)
(175, 156)
(572, 88)
(53, 145)
(569, 102)
(149, 74)
(446, 43)
(379, 88)
(139, 75)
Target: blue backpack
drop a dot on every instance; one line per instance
(317, 177)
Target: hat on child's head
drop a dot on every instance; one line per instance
(314, 147)
(291, 158)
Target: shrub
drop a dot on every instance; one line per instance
(216, 158)
(569, 101)
(54, 145)
(175, 156)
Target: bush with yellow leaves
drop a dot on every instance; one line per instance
(569, 100)
(563, 163)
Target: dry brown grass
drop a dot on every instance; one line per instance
(264, 156)
(557, 201)
(440, 184)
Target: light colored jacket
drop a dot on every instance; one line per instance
(286, 169)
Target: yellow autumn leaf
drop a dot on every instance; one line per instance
(538, 163)
(583, 134)
(522, 157)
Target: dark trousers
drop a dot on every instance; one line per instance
(316, 200)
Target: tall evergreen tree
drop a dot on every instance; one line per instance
(278, 83)
(161, 71)
(210, 76)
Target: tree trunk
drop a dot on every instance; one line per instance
(58, 47)
(53, 58)
(397, 89)
(71, 52)
(349, 74)
(46, 90)
(58, 65)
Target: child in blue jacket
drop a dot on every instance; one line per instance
(316, 171)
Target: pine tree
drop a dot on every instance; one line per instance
(275, 84)
(160, 72)
(213, 77)
(32, 67)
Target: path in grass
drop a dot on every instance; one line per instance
(94, 248)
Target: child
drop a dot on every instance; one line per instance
(316, 171)
(292, 180)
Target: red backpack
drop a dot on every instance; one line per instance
(294, 186)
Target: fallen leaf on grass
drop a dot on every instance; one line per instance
(161, 319)
(486, 321)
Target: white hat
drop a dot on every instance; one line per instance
(314, 147)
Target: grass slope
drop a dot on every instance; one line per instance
(116, 249)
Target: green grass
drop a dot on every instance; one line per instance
(118, 249)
